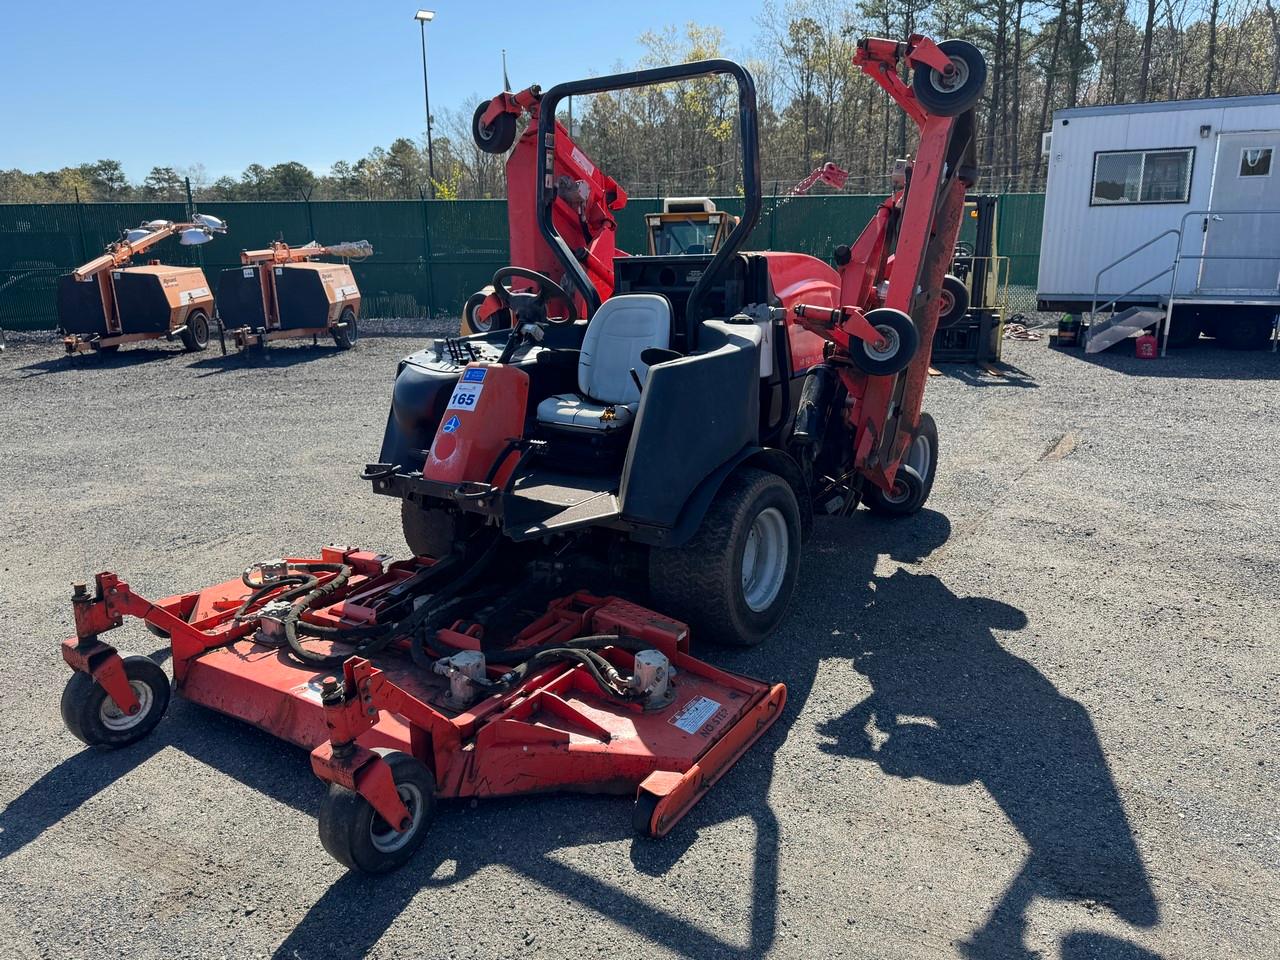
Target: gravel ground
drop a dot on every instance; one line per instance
(1037, 720)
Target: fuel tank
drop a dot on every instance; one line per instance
(486, 410)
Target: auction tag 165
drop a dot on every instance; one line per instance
(465, 396)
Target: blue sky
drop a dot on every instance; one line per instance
(171, 83)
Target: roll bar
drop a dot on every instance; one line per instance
(749, 136)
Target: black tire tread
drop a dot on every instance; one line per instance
(345, 817)
(693, 582)
(82, 699)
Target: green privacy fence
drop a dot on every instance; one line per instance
(429, 255)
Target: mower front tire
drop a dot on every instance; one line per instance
(732, 581)
(345, 332)
(914, 480)
(952, 93)
(358, 838)
(429, 532)
(196, 335)
(93, 717)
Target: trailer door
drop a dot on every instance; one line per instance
(1245, 178)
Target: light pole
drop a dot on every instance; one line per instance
(424, 17)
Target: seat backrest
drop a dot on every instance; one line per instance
(622, 329)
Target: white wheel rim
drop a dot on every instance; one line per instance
(919, 458)
(891, 343)
(385, 838)
(115, 719)
(764, 559)
(946, 302)
(946, 84)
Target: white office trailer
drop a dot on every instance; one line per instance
(1165, 217)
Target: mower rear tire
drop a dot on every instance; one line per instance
(901, 340)
(359, 839)
(732, 581)
(914, 480)
(953, 301)
(497, 137)
(346, 336)
(109, 348)
(93, 717)
(949, 95)
(196, 335)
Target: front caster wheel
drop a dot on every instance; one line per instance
(951, 92)
(899, 340)
(914, 480)
(358, 838)
(93, 717)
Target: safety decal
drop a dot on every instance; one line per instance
(474, 374)
(694, 714)
(465, 396)
(452, 424)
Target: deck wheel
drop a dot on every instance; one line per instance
(899, 340)
(914, 480)
(497, 137)
(93, 717)
(642, 813)
(950, 93)
(357, 837)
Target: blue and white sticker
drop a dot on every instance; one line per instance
(452, 424)
(474, 374)
(465, 395)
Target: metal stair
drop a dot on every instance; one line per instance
(1110, 330)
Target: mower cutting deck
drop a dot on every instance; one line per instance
(593, 694)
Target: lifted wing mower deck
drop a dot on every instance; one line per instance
(595, 694)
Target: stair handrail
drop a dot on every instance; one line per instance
(1097, 279)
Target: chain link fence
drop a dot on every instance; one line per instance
(430, 255)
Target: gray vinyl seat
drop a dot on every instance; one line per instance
(607, 399)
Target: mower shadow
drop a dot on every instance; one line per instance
(224, 744)
(953, 706)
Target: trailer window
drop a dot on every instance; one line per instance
(1255, 162)
(1142, 176)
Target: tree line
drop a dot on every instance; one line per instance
(814, 105)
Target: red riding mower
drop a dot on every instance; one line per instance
(673, 441)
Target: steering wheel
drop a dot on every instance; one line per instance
(527, 307)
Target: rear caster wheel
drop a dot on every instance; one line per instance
(196, 336)
(345, 336)
(914, 480)
(899, 341)
(951, 92)
(358, 838)
(93, 717)
(953, 301)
